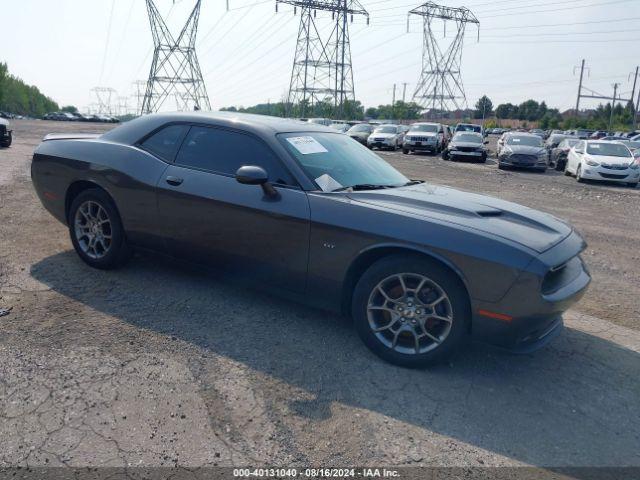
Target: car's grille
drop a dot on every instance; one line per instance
(522, 158)
(378, 139)
(421, 139)
(613, 176)
(466, 149)
(615, 167)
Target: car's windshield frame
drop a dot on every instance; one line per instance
(341, 152)
(597, 150)
(424, 128)
(529, 141)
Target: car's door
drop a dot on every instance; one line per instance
(211, 218)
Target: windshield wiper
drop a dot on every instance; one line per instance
(413, 182)
(363, 186)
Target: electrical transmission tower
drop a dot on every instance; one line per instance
(175, 68)
(105, 98)
(440, 85)
(322, 72)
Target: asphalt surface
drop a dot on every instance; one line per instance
(157, 364)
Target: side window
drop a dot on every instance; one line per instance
(165, 143)
(224, 151)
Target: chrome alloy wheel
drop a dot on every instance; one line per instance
(409, 313)
(93, 231)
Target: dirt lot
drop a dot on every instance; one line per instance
(158, 365)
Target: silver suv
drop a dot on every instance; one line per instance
(424, 137)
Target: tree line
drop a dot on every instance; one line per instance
(551, 118)
(19, 98)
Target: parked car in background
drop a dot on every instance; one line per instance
(466, 146)
(631, 145)
(321, 121)
(598, 134)
(340, 127)
(468, 127)
(613, 138)
(554, 140)
(558, 156)
(524, 150)
(541, 133)
(583, 134)
(308, 213)
(360, 132)
(386, 137)
(604, 161)
(424, 137)
(6, 134)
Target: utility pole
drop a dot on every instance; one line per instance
(633, 96)
(322, 70)
(441, 78)
(613, 104)
(404, 92)
(175, 70)
(579, 87)
(393, 103)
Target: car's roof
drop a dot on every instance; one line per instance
(522, 134)
(132, 131)
(424, 123)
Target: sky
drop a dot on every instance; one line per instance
(527, 48)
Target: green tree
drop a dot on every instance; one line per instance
(484, 107)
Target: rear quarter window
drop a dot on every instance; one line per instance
(165, 142)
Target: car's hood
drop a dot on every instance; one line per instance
(422, 134)
(530, 228)
(525, 149)
(612, 161)
(383, 135)
(466, 144)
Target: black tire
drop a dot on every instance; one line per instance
(448, 282)
(483, 159)
(405, 151)
(559, 166)
(118, 251)
(501, 166)
(445, 155)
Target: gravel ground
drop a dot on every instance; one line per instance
(158, 365)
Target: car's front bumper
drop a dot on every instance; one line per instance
(460, 155)
(5, 136)
(521, 162)
(381, 144)
(420, 146)
(627, 175)
(530, 313)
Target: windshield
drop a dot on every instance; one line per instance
(387, 129)
(608, 149)
(335, 161)
(467, 137)
(424, 128)
(525, 141)
(468, 128)
(360, 128)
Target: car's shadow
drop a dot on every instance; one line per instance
(577, 402)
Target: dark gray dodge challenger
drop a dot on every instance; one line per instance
(311, 214)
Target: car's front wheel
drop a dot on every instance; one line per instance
(96, 230)
(410, 311)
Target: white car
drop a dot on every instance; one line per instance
(389, 137)
(608, 161)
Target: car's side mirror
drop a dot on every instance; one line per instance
(254, 175)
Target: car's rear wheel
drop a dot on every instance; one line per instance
(405, 151)
(96, 230)
(410, 311)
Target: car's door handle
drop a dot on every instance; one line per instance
(175, 181)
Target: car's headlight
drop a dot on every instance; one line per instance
(592, 163)
(506, 151)
(634, 166)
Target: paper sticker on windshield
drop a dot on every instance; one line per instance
(307, 145)
(327, 183)
(515, 140)
(595, 146)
